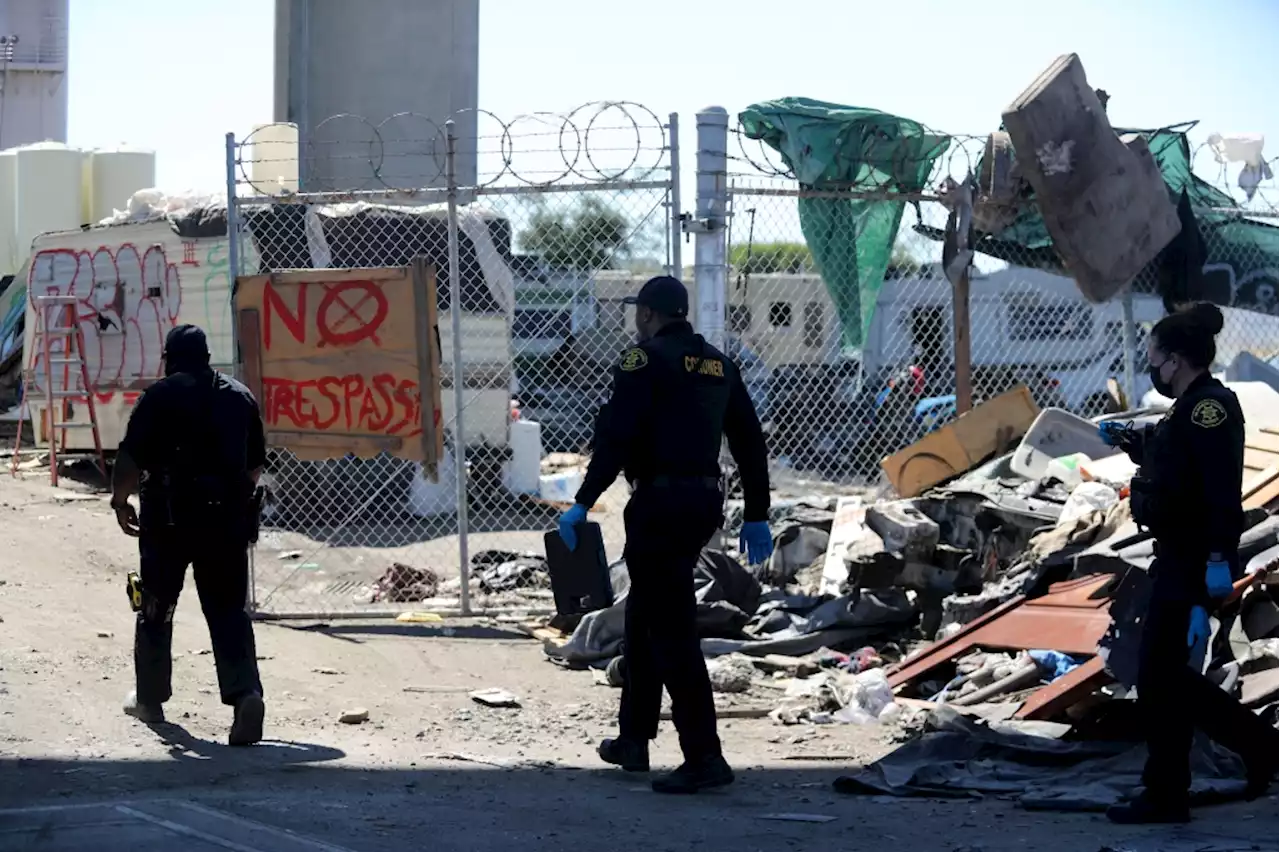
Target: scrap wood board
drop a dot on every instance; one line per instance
(345, 361)
(990, 428)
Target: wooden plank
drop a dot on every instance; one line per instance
(251, 353)
(1072, 687)
(427, 339)
(339, 362)
(959, 446)
(1255, 460)
(1263, 439)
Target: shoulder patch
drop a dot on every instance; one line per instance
(1209, 413)
(632, 360)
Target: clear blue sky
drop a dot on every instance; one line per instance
(176, 76)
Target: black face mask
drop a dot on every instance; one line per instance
(1162, 387)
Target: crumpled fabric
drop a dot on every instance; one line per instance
(959, 756)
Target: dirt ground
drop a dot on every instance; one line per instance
(430, 768)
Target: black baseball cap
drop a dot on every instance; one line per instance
(663, 294)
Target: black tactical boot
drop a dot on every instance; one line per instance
(246, 728)
(151, 714)
(1146, 809)
(631, 755)
(695, 775)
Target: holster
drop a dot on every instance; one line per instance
(1146, 504)
(253, 520)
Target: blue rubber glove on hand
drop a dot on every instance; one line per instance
(1111, 432)
(1198, 637)
(756, 541)
(1217, 579)
(569, 522)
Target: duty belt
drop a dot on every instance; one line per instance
(664, 481)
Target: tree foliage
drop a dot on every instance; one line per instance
(586, 237)
(795, 259)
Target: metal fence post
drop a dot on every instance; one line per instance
(710, 251)
(459, 402)
(1130, 332)
(233, 273)
(676, 256)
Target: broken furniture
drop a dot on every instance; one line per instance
(1103, 199)
(989, 429)
(1072, 618)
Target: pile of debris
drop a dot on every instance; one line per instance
(1010, 592)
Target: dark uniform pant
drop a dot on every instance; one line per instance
(220, 565)
(1175, 700)
(667, 527)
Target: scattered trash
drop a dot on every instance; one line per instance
(105, 634)
(419, 618)
(791, 817)
(289, 554)
(356, 716)
(732, 673)
(326, 671)
(403, 584)
(495, 698)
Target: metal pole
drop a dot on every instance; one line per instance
(960, 325)
(673, 196)
(233, 273)
(710, 250)
(1130, 332)
(455, 321)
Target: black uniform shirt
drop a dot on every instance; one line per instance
(674, 398)
(202, 419)
(1195, 456)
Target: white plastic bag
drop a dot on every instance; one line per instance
(1088, 497)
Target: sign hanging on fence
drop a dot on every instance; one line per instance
(345, 360)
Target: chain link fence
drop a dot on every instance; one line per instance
(834, 301)
(852, 379)
(563, 216)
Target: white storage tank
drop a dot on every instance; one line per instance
(10, 259)
(272, 161)
(48, 182)
(116, 174)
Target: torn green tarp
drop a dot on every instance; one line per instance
(834, 147)
(1242, 254)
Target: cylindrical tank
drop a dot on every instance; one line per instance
(48, 182)
(116, 175)
(370, 86)
(9, 257)
(272, 166)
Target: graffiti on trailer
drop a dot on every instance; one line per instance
(343, 323)
(128, 299)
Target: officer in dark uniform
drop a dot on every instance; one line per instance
(193, 451)
(1187, 493)
(674, 398)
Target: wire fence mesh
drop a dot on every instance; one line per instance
(837, 307)
(565, 215)
(852, 379)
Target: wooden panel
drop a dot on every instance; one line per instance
(1263, 439)
(250, 336)
(338, 362)
(989, 428)
(1255, 460)
(427, 343)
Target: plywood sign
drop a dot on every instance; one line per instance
(345, 360)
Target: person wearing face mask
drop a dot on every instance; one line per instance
(193, 451)
(1187, 493)
(675, 397)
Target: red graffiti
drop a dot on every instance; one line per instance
(349, 312)
(128, 301)
(350, 404)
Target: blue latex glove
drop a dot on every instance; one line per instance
(569, 522)
(1198, 637)
(1217, 579)
(756, 541)
(1111, 432)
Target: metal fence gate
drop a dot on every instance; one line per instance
(538, 227)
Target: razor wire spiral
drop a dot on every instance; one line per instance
(597, 142)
